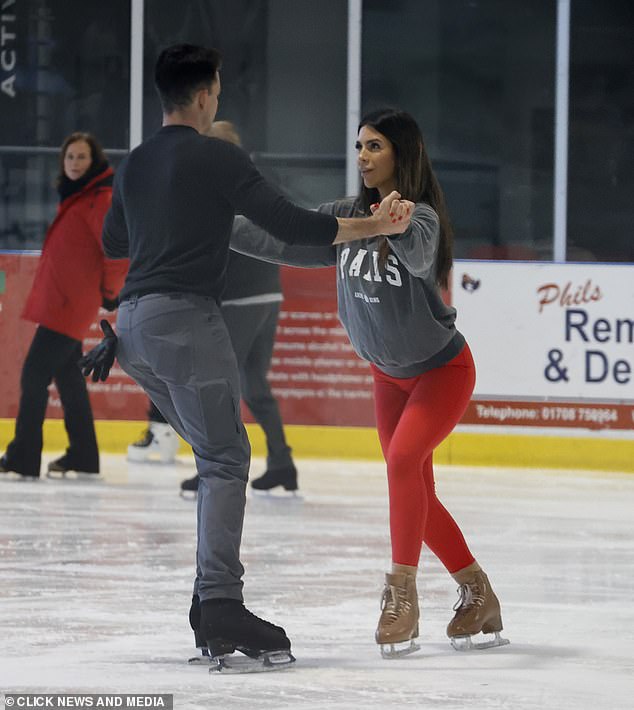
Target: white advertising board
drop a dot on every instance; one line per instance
(549, 332)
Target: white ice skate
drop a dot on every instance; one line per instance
(158, 445)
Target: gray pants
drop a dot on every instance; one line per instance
(252, 331)
(176, 346)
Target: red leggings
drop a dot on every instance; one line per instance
(413, 417)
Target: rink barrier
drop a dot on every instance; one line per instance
(460, 449)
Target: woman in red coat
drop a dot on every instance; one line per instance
(73, 279)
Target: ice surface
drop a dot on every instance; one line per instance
(95, 581)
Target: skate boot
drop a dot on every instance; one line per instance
(477, 611)
(194, 622)
(159, 444)
(63, 466)
(189, 487)
(273, 477)
(226, 626)
(398, 624)
(7, 467)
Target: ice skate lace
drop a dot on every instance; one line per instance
(145, 440)
(470, 595)
(251, 615)
(394, 603)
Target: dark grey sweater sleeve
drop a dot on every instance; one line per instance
(250, 195)
(114, 235)
(247, 238)
(416, 247)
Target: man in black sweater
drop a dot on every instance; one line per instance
(250, 309)
(173, 205)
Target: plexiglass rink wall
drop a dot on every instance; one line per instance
(64, 66)
(480, 76)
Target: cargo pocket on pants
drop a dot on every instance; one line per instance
(220, 413)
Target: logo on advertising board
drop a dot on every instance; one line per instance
(591, 331)
(469, 284)
(543, 330)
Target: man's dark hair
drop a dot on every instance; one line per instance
(182, 70)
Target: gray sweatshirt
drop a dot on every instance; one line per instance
(395, 317)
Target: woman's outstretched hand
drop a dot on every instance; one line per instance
(393, 213)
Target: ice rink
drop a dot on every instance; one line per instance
(96, 579)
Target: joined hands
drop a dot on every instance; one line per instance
(393, 213)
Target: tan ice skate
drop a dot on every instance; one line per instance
(477, 611)
(399, 613)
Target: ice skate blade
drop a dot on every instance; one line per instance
(395, 650)
(189, 495)
(203, 660)
(267, 661)
(466, 643)
(13, 476)
(150, 461)
(73, 476)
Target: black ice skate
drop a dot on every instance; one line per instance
(273, 477)
(189, 487)
(226, 626)
(194, 622)
(63, 467)
(7, 466)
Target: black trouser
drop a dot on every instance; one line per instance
(53, 356)
(252, 331)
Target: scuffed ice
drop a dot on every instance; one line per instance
(96, 583)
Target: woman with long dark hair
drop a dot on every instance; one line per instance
(73, 279)
(389, 295)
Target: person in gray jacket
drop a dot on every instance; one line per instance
(174, 201)
(390, 303)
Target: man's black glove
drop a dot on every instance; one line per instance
(110, 304)
(101, 358)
